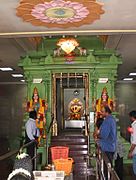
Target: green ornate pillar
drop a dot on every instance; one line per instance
(49, 90)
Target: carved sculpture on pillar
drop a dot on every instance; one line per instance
(40, 106)
(82, 51)
(103, 101)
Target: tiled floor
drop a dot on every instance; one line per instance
(128, 173)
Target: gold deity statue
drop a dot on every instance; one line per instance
(103, 101)
(75, 109)
(40, 106)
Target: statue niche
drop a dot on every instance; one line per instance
(75, 109)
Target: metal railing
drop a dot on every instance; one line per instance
(103, 165)
(87, 133)
(47, 138)
(15, 152)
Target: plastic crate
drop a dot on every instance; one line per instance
(63, 165)
(59, 152)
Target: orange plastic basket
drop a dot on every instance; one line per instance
(59, 152)
(63, 165)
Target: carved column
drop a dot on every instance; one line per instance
(29, 81)
(48, 82)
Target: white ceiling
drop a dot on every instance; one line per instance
(119, 21)
(119, 15)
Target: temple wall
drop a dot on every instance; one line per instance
(126, 102)
(12, 97)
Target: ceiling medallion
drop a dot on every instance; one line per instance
(59, 13)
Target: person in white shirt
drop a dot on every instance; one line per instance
(132, 151)
(32, 133)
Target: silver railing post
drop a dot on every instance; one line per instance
(35, 155)
(109, 170)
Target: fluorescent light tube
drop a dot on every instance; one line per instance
(128, 79)
(132, 74)
(6, 69)
(17, 75)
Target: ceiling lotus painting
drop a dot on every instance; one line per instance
(59, 13)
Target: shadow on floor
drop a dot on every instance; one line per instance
(128, 172)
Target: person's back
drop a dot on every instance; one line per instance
(108, 135)
(118, 157)
(31, 130)
(132, 150)
(32, 134)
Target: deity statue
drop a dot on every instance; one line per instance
(40, 106)
(75, 109)
(103, 101)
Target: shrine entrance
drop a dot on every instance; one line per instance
(70, 99)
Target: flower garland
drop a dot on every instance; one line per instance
(17, 171)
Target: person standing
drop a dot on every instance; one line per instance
(132, 150)
(118, 157)
(108, 136)
(32, 133)
(108, 133)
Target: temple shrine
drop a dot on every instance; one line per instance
(70, 82)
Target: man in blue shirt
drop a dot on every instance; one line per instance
(108, 134)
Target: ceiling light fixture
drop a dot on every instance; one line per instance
(103, 80)
(17, 75)
(67, 44)
(127, 79)
(22, 80)
(132, 74)
(6, 69)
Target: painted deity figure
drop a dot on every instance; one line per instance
(75, 109)
(103, 101)
(40, 106)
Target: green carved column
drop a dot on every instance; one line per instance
(49, 91)
(29, 80)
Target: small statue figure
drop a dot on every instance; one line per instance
(40, 106)
(82, 51)
(57, 52)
